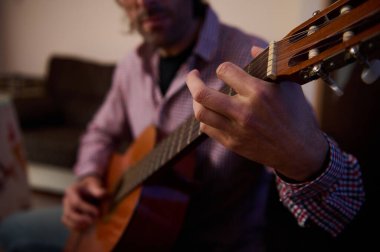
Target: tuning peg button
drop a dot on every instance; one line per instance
(371, 72)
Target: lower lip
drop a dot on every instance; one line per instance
(153, 22)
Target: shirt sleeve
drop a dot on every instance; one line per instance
(331, 200)
(103, 133)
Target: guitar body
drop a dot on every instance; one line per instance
(150, 217)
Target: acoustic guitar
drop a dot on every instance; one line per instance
(344, 32)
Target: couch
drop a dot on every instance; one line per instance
(53, 119)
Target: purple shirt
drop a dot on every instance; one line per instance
(236, 186)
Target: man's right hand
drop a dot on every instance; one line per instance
(80, 203)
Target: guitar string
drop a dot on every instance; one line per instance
(261, 62)
(301, 35)
(133, 171)
(142, 174)
(285, 56)
(337, 40)
(261, 67)
(297, 37)
(141, 170)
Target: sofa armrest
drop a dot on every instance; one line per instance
(31, 101)
(21, 85)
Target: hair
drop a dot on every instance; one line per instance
(199, 8)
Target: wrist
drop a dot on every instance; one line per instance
(310, 163)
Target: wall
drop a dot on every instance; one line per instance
(32, 30)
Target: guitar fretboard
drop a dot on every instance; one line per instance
(183, 138)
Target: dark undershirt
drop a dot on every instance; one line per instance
(168, 67)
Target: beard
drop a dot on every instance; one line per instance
(159, 35)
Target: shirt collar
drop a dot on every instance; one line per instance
(208, 37)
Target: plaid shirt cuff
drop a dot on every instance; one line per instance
(331, 200)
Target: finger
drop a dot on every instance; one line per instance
(74, 219)
(237, 78)
(209, 98)
(85, 207)
(95, 189)
(255, 51)
(209, 117)
(77, 203)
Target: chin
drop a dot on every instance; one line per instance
(159, 40)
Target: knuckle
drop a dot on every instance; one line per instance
(200, 114)
(201, 95)
(262, 95)
(202, 127)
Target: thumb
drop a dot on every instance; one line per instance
(93, 186)
(96, 189)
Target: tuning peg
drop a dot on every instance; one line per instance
(371, 68)
(317, 69)
(333, 85)
(371, 72)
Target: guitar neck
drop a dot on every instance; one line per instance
(175, 145)
(258, 67)
(168, 150)
(310, 51)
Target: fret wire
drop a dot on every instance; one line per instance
(147, 166)
(151, 161)
(192, 122)
(192, 131)
(184, 132)
(195, 130)
(141, 171)
(154, 159)
(181, 135)
(130, 180)
(254, 69)
(168, 147)
(163, 146)
(172, 143)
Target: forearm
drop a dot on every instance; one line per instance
(93, 156)
(331, 200)
(104, 133)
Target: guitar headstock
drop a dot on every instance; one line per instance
(344, 32)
